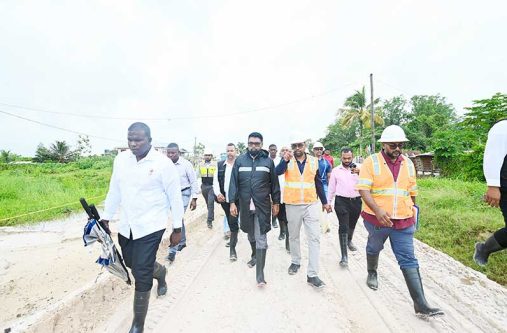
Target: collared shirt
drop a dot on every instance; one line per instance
(187, 176)
(393, 166)
(144, 191)
(281, 178)
(342, 183)
(495, 153)
(227, 180)
(324, 169)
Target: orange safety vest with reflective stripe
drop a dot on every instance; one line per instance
(299, 188)
(392, 196)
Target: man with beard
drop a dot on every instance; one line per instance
(387, 184)
(347, 201)
(255, 184)
(207, 170)
(302, 190)
(495, 172)
(189, 190)
(145, 185)
(220, 184)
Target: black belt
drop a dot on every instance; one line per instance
(184, 189)
(354, 198)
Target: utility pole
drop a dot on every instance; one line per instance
(372, 117)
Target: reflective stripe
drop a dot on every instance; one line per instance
(262, 168)
(241, 169)
(299, 185)
(391, 192)
(363, 181)
(411, 168)
(376, 164)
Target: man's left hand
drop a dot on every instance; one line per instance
(193, 204)
(175, 238)
(275, 209)
(492, 196)
(355, 170)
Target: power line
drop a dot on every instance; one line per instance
(260, 109)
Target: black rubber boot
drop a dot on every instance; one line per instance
(372, 264)
(483, 250)
(414, 284)
(159, 273)
(259, 268)
(252, 261)
(232, 249)
(344, 262)
(287, 244)
(141, 302)
(283, 226)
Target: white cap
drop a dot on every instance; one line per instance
(208, 152)
(318, 145)
(393, 133)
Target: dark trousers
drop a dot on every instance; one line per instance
(209, 197)
(139, 255)
(232, 220)
(501, 234)
(348, 211)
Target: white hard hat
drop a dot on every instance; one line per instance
(208, 152)
(318, 145)
(393, 133)
(297, 138)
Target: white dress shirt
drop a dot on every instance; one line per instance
(187, 176)
(227, 180)
(144, 191)
(495, 152)
(281, 178)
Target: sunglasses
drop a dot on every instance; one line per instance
(297, 145)
(257, 144)
(396, 145)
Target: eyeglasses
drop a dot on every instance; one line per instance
(318, 149)
(297, 145)
(257, 144)
(396, 145)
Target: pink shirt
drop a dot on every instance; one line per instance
(342, 183)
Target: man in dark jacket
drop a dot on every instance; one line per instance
(255, 184)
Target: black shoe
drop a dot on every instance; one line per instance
(344, 262)
(483, 250)
(293, 269)
(141, 302)
(414, 284)
(372, 264)
(171, 257)
(181, 247)
(210, 225)
(351, 246)
(315, 282)
(228, 244)
(159, 273)
(252, 262)
(275, 224)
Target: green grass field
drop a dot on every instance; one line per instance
(34, 187)
(453, 218)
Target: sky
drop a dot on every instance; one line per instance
(214, 71)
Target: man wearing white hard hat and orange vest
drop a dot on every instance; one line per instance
(207, 170)
(302, 190)
(387, 184)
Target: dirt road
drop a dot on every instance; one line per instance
(207, 292)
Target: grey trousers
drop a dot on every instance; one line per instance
(309, 215)
(261, 240)
(209, 197)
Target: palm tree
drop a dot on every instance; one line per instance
(356, 109)
(61, 151)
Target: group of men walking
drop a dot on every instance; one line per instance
(258, 188)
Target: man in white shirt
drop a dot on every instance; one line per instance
(273, 149)
(189, 190)
(495, 172)
(221, 181)
(145, 185)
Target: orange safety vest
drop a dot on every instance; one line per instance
(392, 196)
(299, 188)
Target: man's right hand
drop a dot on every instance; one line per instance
(287, 156)
(220, 198)
(492, 196)
(383, 217)
(234, 210)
